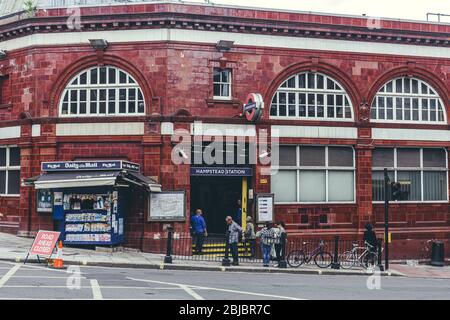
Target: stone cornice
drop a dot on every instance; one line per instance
(224, 24)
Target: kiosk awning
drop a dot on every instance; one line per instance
(147, 182)
(76, 179)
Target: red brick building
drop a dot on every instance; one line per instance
(347, 95)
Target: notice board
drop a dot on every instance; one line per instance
(167, 206)
(264, 207)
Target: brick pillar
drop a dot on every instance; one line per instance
(363, 185)
(26, 171)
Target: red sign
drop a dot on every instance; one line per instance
(253, 107)
(44, 242)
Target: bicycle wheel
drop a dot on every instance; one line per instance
(369, 260)
(296, 258)
(323, 259)
(347, 259)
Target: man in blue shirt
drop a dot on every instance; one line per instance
(199, 230)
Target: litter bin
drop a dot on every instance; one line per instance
(437, 254)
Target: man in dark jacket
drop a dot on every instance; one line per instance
(370, 237)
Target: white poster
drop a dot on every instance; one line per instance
(264, 207)
(167, 206)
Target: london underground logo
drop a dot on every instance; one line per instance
(253, 107)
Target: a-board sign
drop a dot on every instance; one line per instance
(264, 207)
(44, 243)
(167, 206)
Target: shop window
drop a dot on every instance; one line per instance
(422, 173)
(407, 100)
(312, 96)
(9, 171)
(310, 174)
(222, 83)
(102, 91)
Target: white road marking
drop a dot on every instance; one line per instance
(191, 292)
(96, 291)
(9, 274)
(89, 287)
(218, 289)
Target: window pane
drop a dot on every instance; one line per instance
(283, 185)
(14, 182)
(434, 185)
(14, 156)
(216, 75)
(434, 158)
(340, 186)
(383, 157)
(2, 182)
(2, 157)
(312, 186)
(408, 158)
(312, 156)
(217, 90)
(287, 156)
(410, 185)
(340, 157)
(378, 185)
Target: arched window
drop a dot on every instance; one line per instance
(102, 91)
(407, 100)
(311, 96)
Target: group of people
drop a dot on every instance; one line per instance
(273, 237)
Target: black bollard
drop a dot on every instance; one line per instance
(380, 264)
(168, 257)
(336, 264)
(226, 261)
(282, 263)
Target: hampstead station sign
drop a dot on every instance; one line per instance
(89, 165)
(221, 172)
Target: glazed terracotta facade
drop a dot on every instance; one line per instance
(176, 79)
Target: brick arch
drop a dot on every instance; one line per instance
(91, 61)
(417, 72)
(322, 67)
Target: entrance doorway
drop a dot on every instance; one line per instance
(217, 197)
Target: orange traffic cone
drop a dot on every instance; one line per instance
(58, 263)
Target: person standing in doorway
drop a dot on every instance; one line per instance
(199, 230)
(250, 237)
(233, 238)
(238, 216)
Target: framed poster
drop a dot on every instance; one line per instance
(44, 200)
(167, 206)
(264, 207)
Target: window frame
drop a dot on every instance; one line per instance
(297, 168)
(8, 168)
(395, 169)
(89, 88)
(383, 93)
(221, 83)
(297, 90)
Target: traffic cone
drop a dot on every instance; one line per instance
(58, 263)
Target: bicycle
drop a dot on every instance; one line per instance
(321, 258)
(368, 258)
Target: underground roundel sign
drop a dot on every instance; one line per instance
(253, 107)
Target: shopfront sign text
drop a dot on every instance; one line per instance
(89, 165)
(221, 171)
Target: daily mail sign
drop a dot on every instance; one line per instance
(89, 165)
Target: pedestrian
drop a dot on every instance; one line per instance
(250, 237)
(238, 215)
(267, 235)
(370, 242)
(233, 238)
(280, 245)
(199, 230)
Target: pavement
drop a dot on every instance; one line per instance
(15, 249)
(37, 282)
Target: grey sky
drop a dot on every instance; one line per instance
(403, 9)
